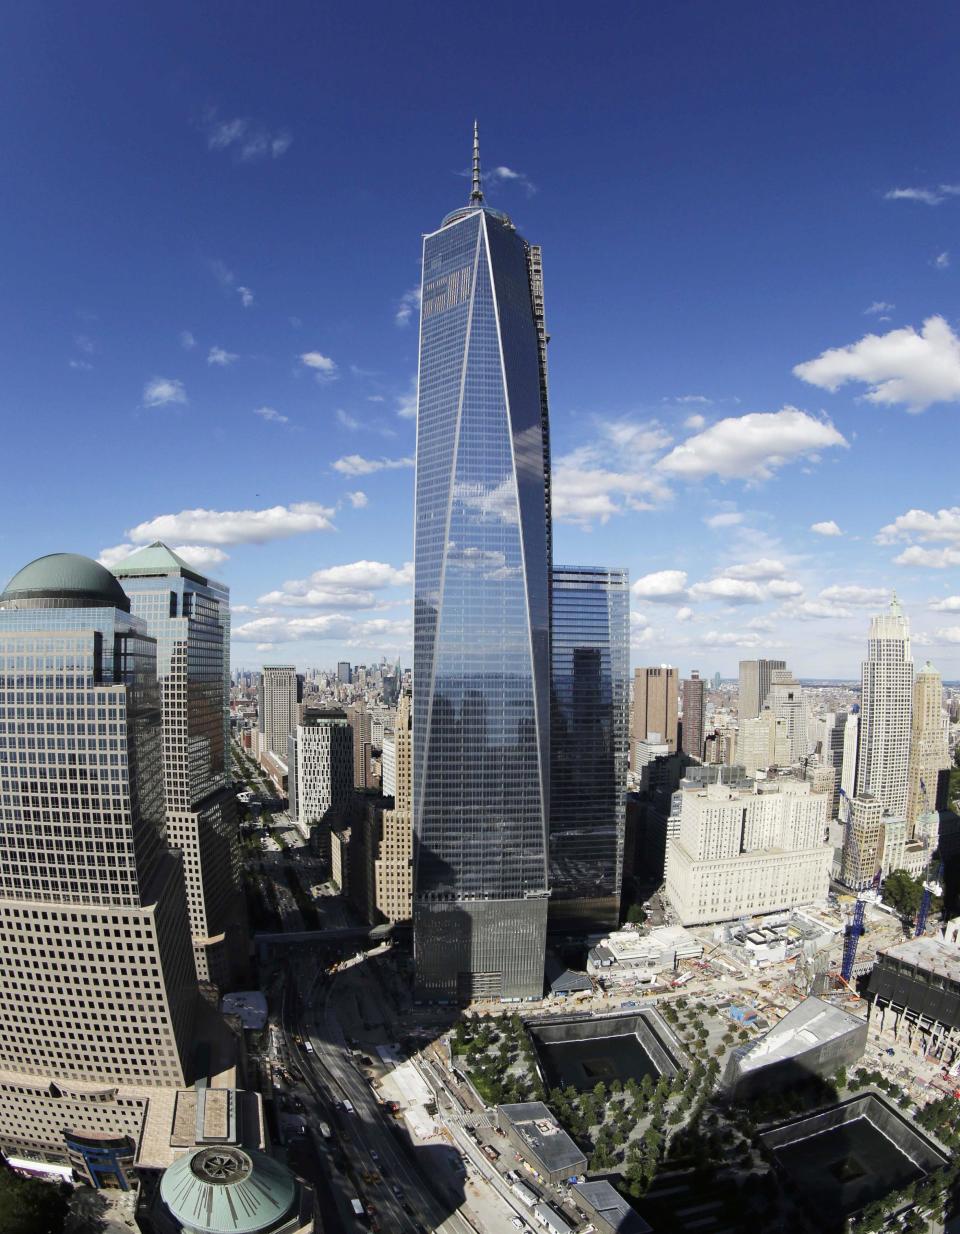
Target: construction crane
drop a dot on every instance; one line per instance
(851, 938)
(931, 887)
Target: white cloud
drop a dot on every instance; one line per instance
(901, 366)
(222, 272)
(610, 475)
(683, 614)
(350, 586)
(508, 175)
(662, 586)
(929, 197)
(930, 558)
(341, 626)
(200, 556)
(246, 296)
(249, 141)
(949, 604)
(694, 398)
(695, 422)
(813, 610)
(221, 357)
(409, 301)
(879, 306)
(729, 519)
(110, 557)
(948, 634)
(874, 597)
(271, 415)
(766, 567)
(784, 588)
(187, 341)
(943, 527)
(357, 499)
(751, 447)
(83, 366)
(235, 526)
(348, 421)
(942, 261)
(407, 403)
(732, 638)
(729, 590)
(828, 528)
(357, 465)
(159, 391)
(323, 368)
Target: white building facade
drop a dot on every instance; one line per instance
(886, 712)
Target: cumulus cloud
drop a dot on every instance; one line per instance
(409, 301)
(949, 604)
(248, 141)
(783, 588)
(347, 586)
(828, 528)
(948, 634)
(407, 402)
(729, 590)
(732, 638)
(815, 610)
(729, 519)
(662, 586)
(765, 567)
(683, 614)
(695, 421)
(161, 391)
(235, 526)
(357, 499)
(271, 415)
(942, 527)
(357, 465)
(751, 447)
(323, 368)
(900, 367)
(221, 357)
(930, 558)
(200, 556)
(874, 597)
(610, 475)
(340, 626)
(508, 175)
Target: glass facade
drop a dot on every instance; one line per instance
(481, 616)
(589, 743)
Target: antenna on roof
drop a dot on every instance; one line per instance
(476, 194)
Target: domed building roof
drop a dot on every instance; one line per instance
(64, 580)
(228, 1190)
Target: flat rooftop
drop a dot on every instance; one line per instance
(605, 1201)
(810, 1024)
(547, 1140)
(930, 954)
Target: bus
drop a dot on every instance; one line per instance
(357, 1207)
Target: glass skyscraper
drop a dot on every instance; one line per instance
(481, 715)
(589, 746)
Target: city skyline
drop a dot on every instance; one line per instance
(732, 450)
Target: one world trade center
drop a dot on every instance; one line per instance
(481, 717)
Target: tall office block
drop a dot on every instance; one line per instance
(189, 616)
(344, 675)
(655, 695)
(393, 865)
(929, 745)
(481, 714)
(763, 742)
(785, 700)
(873, 842)
(755, 677)
(693, 692)
(320, 757)
(278, 697)
(589, 744)
(886, 708)
(98, 981)
(359, 720)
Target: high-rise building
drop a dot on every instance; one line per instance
(832, 753)
(693, 691)
(320, 757)
(393, 865)
(189, 616)
(589, 737)
(655, 697)
(360, 721)
(929, 745)
(755, 676)
(848, 767)
(744, 851)
(717, 679)
(763, 742)
(388, 764)
(278, 697)
(481, 714)
(873, 842)
(344, 675)
(886, 707)
(96, 967)
(786, 702)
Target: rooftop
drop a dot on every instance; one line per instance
(813, 1022)
(547, 1140)
(64, 580)
(155, 559)
(228, 1190)
(604, 1200)
(930, 954)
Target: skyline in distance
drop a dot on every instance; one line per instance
(755, 366)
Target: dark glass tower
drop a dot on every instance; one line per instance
(481, 715)
(590, 705)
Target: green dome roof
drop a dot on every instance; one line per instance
(228, 1190)
(64, 580)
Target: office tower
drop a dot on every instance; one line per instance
(929, 745)
(655, 705)
(481, 679)
(717, 679)
(763, 742)
(393, 866)
(189, 616)
(344, 675)
(590, 653)
(873, 842)
(755, 685)
(96, 967)
(739, 852)
(719, 746)
(834, 745)
(320, 756)
(886, 706)
(388, 764)
(278, 698)
(694, 704)
(848, 768)
(786, 702)
(359, 720)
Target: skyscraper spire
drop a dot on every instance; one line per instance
(477, 193)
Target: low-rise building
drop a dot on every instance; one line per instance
(540, 1140)
(607, 1210)
(913, 994)
(632, 955)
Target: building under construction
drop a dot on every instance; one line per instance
(913, 993)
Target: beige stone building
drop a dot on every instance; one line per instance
(874, 843)
(394, 863)
(746, 851)
(763, 742)
(929, 745)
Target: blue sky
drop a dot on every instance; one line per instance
(750, 217)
